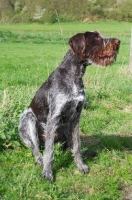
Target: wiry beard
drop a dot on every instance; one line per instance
(104, 60)
(103, 56)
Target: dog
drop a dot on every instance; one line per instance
(53, 114)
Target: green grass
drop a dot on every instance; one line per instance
(27, 57)
(109, 26)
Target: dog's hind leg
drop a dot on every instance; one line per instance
(28, 133)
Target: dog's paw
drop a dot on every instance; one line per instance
(47, 174)
(84, 168)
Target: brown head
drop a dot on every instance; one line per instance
(90, 45)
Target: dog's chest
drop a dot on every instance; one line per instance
(73, 106)
(78, 94)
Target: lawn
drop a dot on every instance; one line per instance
(29, 53)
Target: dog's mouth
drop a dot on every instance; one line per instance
(107, 58)
(107, 54)
(104, 59)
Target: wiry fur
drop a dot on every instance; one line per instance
(54, 112)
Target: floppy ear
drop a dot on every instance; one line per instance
(78, 45)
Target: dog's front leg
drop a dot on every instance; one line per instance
(76, 147)
(50, 129)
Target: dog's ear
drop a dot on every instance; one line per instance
(78, 45)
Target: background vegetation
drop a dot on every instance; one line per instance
(29, 53)
(43, 11)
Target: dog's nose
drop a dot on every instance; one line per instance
(117, 41)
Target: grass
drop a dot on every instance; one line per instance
(109, 26)
(106, 125)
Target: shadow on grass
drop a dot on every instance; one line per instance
(110, 142)
(95, 144)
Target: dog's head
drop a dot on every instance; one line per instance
(90, 45)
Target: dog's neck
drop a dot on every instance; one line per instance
(74, 64)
